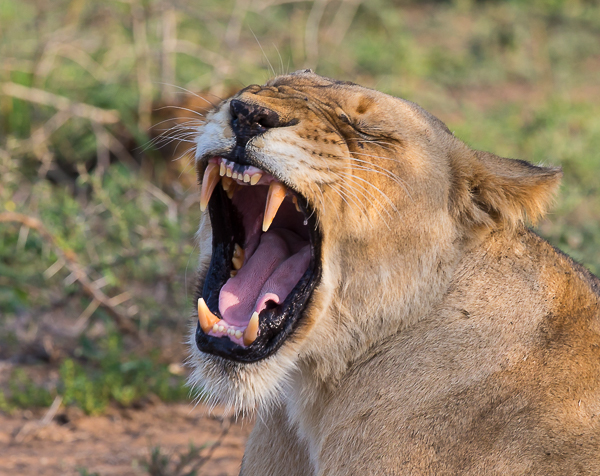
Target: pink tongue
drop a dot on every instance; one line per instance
(272, 271)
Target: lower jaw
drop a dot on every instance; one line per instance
(241, 386)
(277, 324)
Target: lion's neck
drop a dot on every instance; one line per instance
(319, 373)
(386, 310)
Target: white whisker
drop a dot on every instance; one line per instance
(193, 93)
(182, 108)
(380, 205)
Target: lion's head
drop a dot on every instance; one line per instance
(335, 215)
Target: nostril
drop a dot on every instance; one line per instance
(250, 115)
(268, 120)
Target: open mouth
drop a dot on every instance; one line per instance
(265, 262)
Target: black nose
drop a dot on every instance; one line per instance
(248, 121)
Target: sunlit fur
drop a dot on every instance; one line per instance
(410, 218)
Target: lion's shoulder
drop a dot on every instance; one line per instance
(509, 362)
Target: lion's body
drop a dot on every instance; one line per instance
(444, 337)
(503, 377)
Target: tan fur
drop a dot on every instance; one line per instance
(444, 336)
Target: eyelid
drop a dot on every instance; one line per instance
(359, 126)
(362, 128)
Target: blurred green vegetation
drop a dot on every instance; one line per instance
(82, 83)
(104, 372)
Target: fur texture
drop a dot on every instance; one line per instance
(444, 337)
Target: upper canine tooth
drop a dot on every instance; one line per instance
(206, 318)
(275, 196)
(211, 177)
(295, 200)
(255, 178)
(251, 332)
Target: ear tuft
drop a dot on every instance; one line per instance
(491, 191)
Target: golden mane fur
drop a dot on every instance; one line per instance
(444, 337)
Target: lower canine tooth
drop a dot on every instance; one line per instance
(226, 183)
(209, 182)
(206, 318)
(231, 190)
(251, 332)
(275, 196)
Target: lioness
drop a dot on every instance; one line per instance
(368, 287)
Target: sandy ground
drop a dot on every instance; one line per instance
(119, 442)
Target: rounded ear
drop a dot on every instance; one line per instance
(491, 191)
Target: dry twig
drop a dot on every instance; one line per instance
(142, 53)
(32, 426)
(70, 258)
(342, 21)
(39, 96)
(312, 32)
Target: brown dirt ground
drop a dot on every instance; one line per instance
(119, 442)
